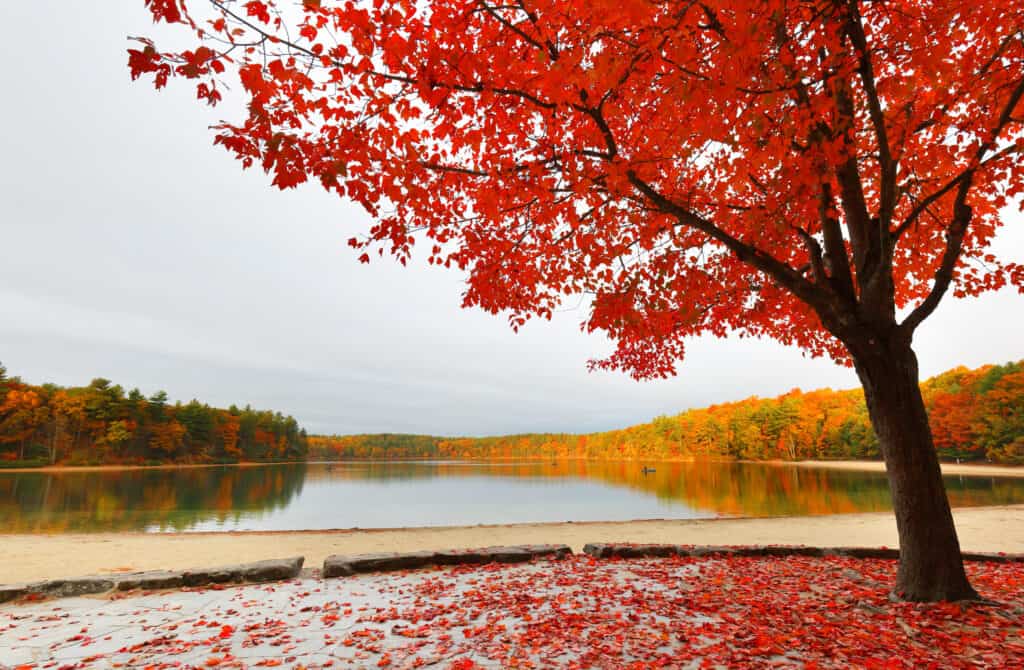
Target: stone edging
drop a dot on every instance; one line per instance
(259, 571)
(340, 566)
(343, 565)
(616, 550)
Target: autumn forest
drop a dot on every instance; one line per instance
(976, 415)
(103, 424)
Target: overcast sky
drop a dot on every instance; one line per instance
(131, 248)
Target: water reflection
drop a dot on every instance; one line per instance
(157, 499)
(393, 494)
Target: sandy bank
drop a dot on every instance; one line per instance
(973, 469)
(29, 557)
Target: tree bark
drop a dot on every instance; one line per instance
(931, 567)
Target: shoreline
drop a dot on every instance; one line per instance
(970, 469)
(57, 469)
(32, 557)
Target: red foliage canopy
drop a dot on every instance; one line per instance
(784, 169)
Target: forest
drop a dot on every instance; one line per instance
(976, 415)
(102, 424)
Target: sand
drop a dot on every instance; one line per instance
(972, 469)
(30, 557)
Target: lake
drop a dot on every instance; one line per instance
(317, 496)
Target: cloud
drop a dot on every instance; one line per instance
(132, 249)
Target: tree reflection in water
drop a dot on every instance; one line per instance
(181, 499)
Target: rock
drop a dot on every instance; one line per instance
(778, 550)
(707, 550)
(75, 586)
(461, 557)
(511, 554)
(272, 570)
(557, 551)
(483, 555)
(339, 566)
(599, 550)
(862, 552)
(260, 571)
(993, 558)
(9, 592)
(151, 580)
(505, 554)
(203, 576)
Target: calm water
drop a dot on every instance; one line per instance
(382, 495)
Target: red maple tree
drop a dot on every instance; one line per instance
(821, 173)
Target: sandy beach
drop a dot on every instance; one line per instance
(973, 469)
(30, 557)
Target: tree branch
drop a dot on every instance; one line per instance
(548, 49)
(774, 268)
(923, 204)
(814, 251)
(855, 207)
(835, 247)
(961, 220)
(888, 191)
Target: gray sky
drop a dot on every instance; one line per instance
(131, 248)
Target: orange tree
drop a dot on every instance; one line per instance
(821, 173)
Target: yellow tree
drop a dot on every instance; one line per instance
(21, 414)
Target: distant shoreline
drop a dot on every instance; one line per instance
(161, 466)
(971, 469)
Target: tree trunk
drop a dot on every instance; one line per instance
(931, 567)
(53, 440)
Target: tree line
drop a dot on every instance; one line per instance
(103, 424)
(975, 415)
